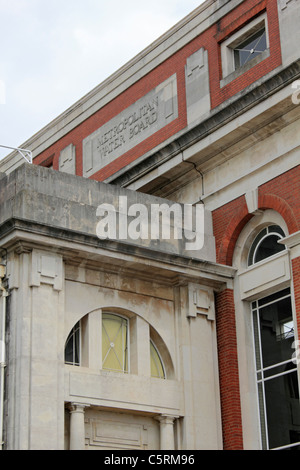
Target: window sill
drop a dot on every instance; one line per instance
(263, 277)
(237, 73)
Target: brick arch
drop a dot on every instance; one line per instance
(233, 229)
(278, 204)
(242, 216)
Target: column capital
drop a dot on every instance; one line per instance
(166, 423)
(166, 419)
(77, 407)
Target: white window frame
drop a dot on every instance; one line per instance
(244, 294)
(270, 231)
(229, 71)
(76, 328)
(124, 371)
(260, 373)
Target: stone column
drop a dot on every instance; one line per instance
(166, 432)
(77, 430)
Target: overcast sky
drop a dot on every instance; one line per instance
(54, 52)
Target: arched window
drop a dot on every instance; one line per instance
(114, 342)
(266, 244)
(115, 339)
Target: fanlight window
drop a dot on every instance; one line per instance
(266, 244)
(114, 343)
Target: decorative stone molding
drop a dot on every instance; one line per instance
(292, 242)
(67, 160)
(194, 62)
(46, 268)
(109, 432)
(13, 270)
(284, 3)
(252, 201)
(200, 302)
(197, 85)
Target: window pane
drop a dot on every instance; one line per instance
(269, 246)
(276, 229)
(266, 244)
(157, 369)
(255, 243)
(114, 343)
(276, 345)
(283, 410)
(72, 348)
(273, 297)
(278, 391)
(69, 351)
(250, 48)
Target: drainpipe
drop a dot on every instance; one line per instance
(2, 352)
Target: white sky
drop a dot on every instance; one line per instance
(54, 52)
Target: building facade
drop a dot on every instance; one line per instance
(117, 335)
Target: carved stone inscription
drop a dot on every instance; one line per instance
(129, 128)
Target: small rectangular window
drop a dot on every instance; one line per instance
(252, 47)
(244, 49)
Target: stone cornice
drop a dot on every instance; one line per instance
(21, 236)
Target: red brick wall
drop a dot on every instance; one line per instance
(228, 222)
(296, 282)
(281, 194)
(211, 40)
(228, 371)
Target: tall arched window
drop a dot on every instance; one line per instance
(265, 328)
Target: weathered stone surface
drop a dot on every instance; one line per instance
(57, 201)
(132, 126)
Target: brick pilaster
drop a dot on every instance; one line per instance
(228, 371)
